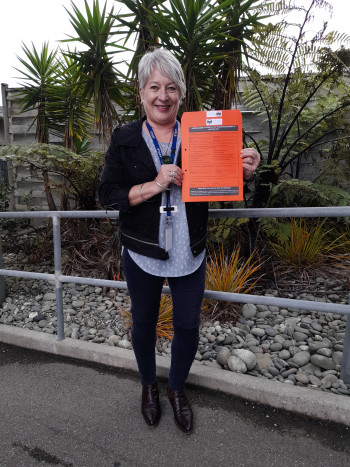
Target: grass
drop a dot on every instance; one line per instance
(229, 273)
(164, 327)
(308, 246)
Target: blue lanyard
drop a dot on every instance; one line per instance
(165, 159)
(162, 158)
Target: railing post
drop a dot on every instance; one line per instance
(56, 228)
(2, 279)
(345, 363)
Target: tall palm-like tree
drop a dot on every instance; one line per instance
(139, 23)
(96, 67)
(242, 18)
(207, 36)
(70, 115)
(40, 70)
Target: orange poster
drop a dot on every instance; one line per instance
(211, 143)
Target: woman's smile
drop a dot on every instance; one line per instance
(160, 98)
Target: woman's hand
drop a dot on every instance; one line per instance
(169, 173)
(251, 159)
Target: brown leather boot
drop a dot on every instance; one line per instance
(183, 415)
(150, 406)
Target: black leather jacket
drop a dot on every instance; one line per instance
(128, 162)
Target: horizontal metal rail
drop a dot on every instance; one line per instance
(58, 278)
(323, 307)
(333, 211)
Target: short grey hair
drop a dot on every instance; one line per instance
(166, 63)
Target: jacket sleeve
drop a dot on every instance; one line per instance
(113, 190)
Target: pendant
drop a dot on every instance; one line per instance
(166, 160)
(168, 234)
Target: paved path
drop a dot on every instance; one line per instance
(63, 412)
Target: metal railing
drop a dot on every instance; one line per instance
(58, 278)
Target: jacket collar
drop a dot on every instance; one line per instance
(132, 136)
(132, 133)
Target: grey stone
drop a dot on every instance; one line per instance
(249, 310)
(314, 381)
(337, 357)
(229, 339)
(270, 331)
(316, 345)
(302, 378)
(284, 354)
(75, 334)
(302, 329)
(291, 321)
(275, 346)
(263, 361)
(236, 364)
(250, 340)
(325, 352)
(256, 349)
(301, 358)
(248, 357)
(206, 355)
(289, 372)
(274, 371)
(316, 326)
(310, 368)
(43, 323)
(263, 314)
(299, 336)
(223, 354)
(124, 344)
(258, 332)
(323, 362)
(50, 296)
(328, 380)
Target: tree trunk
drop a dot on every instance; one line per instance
(49, 197)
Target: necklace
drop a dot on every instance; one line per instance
(165, 159)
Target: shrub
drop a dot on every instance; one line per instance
(229, 273)
(164, 327)
(305, 244)
(299, 193)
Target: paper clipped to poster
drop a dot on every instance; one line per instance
(211, 147)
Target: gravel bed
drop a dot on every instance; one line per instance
(302, 349)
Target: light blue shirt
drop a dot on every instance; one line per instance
(181, 261)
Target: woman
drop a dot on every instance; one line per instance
(162, 237)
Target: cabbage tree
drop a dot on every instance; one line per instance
(96, 68)
(39, 73)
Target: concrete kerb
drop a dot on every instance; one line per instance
(306, 401)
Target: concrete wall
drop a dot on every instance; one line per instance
(19, 130)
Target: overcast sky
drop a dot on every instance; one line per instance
(38, 21)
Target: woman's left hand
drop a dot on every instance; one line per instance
(251, 159)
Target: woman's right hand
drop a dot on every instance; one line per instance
(169, 173)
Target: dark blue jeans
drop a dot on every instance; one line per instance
(145, 294)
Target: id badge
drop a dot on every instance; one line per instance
(168, 234)
(165, 209)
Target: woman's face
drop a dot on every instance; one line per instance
(161, 99)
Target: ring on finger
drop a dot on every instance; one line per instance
(172, 174)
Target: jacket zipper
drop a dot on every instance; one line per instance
(200, 240)
(138, 240)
